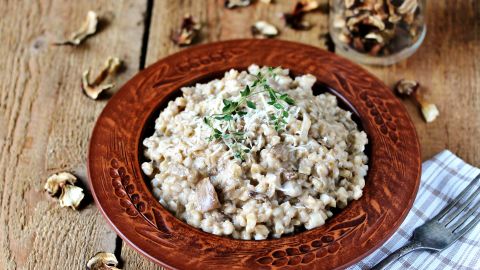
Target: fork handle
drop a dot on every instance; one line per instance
(407, 248)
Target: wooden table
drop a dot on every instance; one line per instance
(46, 120)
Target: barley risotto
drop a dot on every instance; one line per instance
(255, 155)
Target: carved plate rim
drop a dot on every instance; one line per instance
(123, 197)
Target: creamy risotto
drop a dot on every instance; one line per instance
(255, 154)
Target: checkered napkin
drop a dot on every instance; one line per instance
(443, 178)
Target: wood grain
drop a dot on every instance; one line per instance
(220, 23)
(46, 123)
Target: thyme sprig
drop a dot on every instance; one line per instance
(226, 131)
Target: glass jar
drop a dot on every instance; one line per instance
(377, 32)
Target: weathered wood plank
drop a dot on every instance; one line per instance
(46, 123)
(220, 23)
(447, 65)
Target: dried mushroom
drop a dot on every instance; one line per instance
(378, 27)
(187, 33)
(264, 29)
(88, 28)
(237, 3)
(411, 88)
(207, 197)
(295, 18)
(95, 88)
(408, 6)
(103, 261)
(64, 184)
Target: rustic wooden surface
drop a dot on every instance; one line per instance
(45, 125)
(46, 121)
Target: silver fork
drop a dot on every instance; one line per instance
(442, 230)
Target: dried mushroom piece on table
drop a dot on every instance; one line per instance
(264, 29)
(95, 88)
(377, 27)
(188, 32)
(411, 88)
(63, 183)
(237, 3)
(103, 261)
(88, 28)
(295, 19)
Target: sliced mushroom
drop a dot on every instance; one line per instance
(94, 89)
(264, 29)
(295, 18)
(375, 21)
(71, 196)
(411, 89)
(237, 3)
(56, 182)
(308, 5)
(188, 32)
(88, 28)
(291, 188)
(103, 261)
(406, 87)
(207, 197)
(349, 3)
(290, 175)
(64, 183)
(375, 36)
(257, 196)
(354, 20)
(408, 6)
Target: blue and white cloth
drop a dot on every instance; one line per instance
(443, 178)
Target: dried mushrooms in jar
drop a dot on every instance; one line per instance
(377, 27)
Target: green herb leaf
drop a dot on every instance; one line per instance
(272, 95)
(231, 108)
(245, 92)
(278, 106)
(207, 121)
(289, 100)
(226, 108)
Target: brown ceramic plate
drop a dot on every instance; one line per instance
(123, 195)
